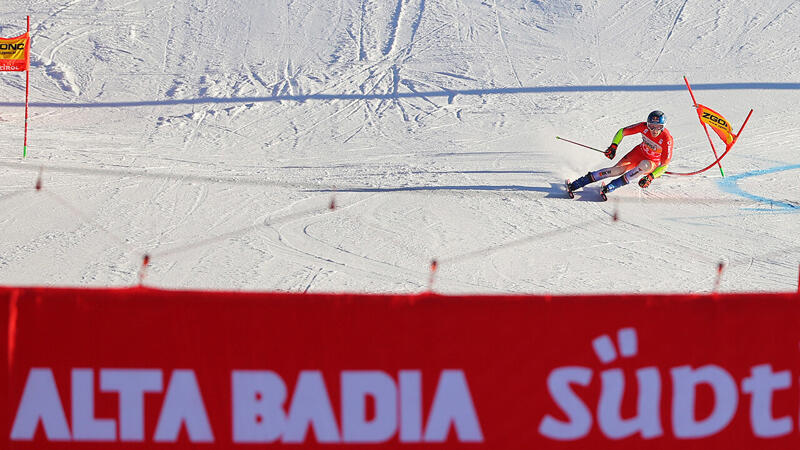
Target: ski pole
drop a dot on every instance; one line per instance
(577, 143)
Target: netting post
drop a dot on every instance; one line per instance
(434, 266)
(720, 268)
(143, 268)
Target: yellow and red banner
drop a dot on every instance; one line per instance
(720, 125)
(15, 53)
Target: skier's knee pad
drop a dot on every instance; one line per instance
(646, 165)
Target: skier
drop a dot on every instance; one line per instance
(648, 159)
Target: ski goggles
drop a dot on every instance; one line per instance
(655, 126)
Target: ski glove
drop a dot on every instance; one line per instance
(611, 151)
(645, 180)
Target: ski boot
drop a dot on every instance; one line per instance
(603, 191)
(579, 183)
(615, 184)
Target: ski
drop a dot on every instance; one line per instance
(569, 191)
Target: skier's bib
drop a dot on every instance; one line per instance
(651, 148)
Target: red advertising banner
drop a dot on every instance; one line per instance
(127, 368)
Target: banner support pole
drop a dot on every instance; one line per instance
(736, 138)
(704, 127)
(27, 88)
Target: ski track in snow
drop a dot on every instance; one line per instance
(474, 181)
(669, 34)
(394, 24)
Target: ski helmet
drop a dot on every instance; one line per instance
(657, 117)
(656, 120)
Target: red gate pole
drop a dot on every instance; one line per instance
(704, 127)
(736, 138)
(27, 84)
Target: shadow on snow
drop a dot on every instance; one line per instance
(450, 94)
(555, 190)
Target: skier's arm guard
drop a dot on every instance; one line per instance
(659, 171)
(627, 131)
(618, 137)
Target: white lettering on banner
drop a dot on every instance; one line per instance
(579, 417)
(183, 405)
(84, 425)
(259, 410)
(259, 396)
(131, 385)
(311, 407)
(356, 387)
(410, 405)
(452, 403)
(761, 385)
(648, 416)
(684, 384)
(40, 401)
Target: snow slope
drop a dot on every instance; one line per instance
(213, 136)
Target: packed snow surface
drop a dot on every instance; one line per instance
(215, 136)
